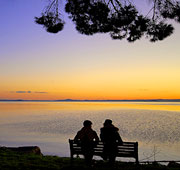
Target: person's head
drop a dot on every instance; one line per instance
(87, 123)
(107, 122)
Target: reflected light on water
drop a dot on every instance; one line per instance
(8, 106)
(50, 124)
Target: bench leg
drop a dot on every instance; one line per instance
(136, 153)
(71, 159)
(137, 161)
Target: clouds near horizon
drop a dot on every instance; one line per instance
(39, 92)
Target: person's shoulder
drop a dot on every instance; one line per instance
(93, 131)
(116, 129)
(78, 133)
(81, 130)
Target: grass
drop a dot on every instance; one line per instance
(10, 160)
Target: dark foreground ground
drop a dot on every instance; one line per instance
(11, 160)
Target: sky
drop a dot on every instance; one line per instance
(38, 65)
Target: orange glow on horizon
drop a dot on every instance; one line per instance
(6, 107)
(88, 96)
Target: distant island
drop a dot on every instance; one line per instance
(77, 100)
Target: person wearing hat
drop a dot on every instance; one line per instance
(110, 137)
(88, 138)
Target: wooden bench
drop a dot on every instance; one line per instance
(127, 149)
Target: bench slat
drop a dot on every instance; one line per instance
(126, 149)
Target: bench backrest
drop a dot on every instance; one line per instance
(126, 149)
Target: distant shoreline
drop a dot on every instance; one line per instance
(73, 100)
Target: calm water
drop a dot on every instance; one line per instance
(155, 125)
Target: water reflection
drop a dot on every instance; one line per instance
(154, 125)
(21, 106)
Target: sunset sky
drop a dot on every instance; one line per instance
(35, 64)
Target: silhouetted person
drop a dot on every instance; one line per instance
(110, 137)
(88, 138)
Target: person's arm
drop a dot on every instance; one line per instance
(102, 135)
(77, 136)
(119, 139)
(96, 137)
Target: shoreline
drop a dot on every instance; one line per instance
(27, 161)
(35, 150)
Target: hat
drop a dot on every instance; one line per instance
(108, 122)
(87, 123)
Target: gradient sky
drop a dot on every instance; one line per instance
(35, 64)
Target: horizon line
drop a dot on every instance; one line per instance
(89, 100)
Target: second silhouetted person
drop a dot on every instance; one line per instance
(110, 137)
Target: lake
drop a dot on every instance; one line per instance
(49, 125)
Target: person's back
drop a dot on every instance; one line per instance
(109, 134)
(110, 137)
(86, 134)
(88, 138)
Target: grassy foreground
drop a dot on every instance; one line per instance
(10, 160)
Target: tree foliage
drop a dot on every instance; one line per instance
(120, 18)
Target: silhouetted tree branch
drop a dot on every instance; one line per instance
(120, 18)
